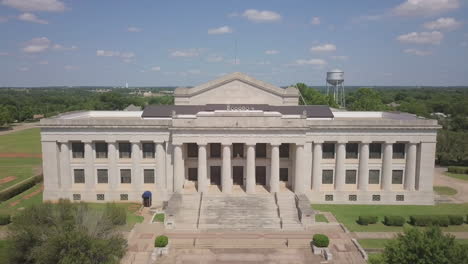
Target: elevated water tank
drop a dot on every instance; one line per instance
(335, 77)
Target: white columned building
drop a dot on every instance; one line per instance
(234, 134)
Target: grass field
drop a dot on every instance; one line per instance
(444, 190)
(457, 176)
(321, 218)
(23, 200)
(25, 141)
(380, 243)
(348, 214)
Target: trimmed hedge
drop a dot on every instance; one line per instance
(5, 219)
(20, 187)
(394, 220)
(456, 219)
(367, 219)
(161, 241)
(457, 169)
(320, 240)
(427, 220)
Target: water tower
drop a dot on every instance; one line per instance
(335, 79)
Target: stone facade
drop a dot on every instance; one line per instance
(349, 157)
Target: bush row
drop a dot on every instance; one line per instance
(367, 219)
(457, 169)
(394, 220)
(320, 240)
(19, 187)
(416, 220)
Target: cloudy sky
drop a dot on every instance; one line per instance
(155, 43)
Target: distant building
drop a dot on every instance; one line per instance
(38, 116)
(393, 104)
(132, 108)
(439, 115)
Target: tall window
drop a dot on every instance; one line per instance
(148, 175)
(77, 150)
(125, 176)
(260, 150)
(125, 150)
(148, 150)
(101, 150)
(328, 151)
(284, 150)
(352, 150)
(375, 150)
(102, 176)
(79, 176)
(399, 151)
(238, 150)
(284, 174)
(215, 150)
(350, 177)
(327, 176)
(374, 176)
(192, 150)
(397, 176)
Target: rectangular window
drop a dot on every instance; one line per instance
(100, 197)
(327, 176)
(148, 150)
(374, 176)
(352, 150)
(238, 150)
(77, 150)
(376, 197)
(328, 197)
(350, 177)
(76, 197)
(397, 176)
(260, 150)
(284, 150)
(125, 150)
(399, 150)
(192, 174)
(102, 176)
(352, 197)
(148, 175)
(124, 197)
(192, 150)
(284, 174)
(215, 150)
(101, 150)
(125, 176)
(79, 175)
(400, 197)
(375, 150)
(328, 151)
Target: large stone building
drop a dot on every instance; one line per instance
(239, 133)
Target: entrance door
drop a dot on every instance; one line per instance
(260, 175)
(193, 174)
(284, 174)
(238, 175)
(215, 175)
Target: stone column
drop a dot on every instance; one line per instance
(299, 170)
(90, 174)
(275, 168)
(308, 166)
(425, 167)
(137, 175)
(66, 178)
(160, 166)
(114, 173)
(178, 169)
(51, 169)
(387, 166)
(339, 166)
(316, 167)
(410, 169)
(202, 170)
(250, 181)
(363, 166)
(226, 178)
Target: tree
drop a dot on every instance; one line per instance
(313, 96)
(367, 99)
(5, 116)
(428, 246)
(64, 233)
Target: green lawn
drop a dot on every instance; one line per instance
(444, 190)
(25, 141)
(3, 251)
(380, 243)
(321, 218)
(457, 176)
(348, 214)
(11, 207)
(159, 218)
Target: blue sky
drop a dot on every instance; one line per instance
(156, 43)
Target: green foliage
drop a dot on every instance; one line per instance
(427, 220)
(20, 187)
(376, 259)
(456, 219)
(393, 220)
(452, 147)
(117, 215)
(159, 218)
(366, 99)
(320, 240)
(367, 219)
(64, 233)
(458, 169)
(161, 241)
(5, 219)
(429, 246)
(313, 96)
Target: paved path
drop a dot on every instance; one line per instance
(440, 179)
(18, 127)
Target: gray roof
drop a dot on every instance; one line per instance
(312, 111)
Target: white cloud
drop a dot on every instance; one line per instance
(340, 57)
(37, 45)
(134, 29)
(220, 30)
(36, 5)
(261, 16)
(62, 48)
(23, 69)
(70, 67)
(315, 21)
(214, 58)
(417, 52)
(447, 23)
(156, 68)
(425, 7)
(434, 37)
(185, 53)
(323, 48)
(271, 52)
(194, 71)
(318, 62)
(43, 62)
(29, 17)
(4, 53)
(125, 56)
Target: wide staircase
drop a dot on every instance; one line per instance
(288, 211)
(183, 211)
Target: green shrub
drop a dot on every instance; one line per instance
(159, 218)
(367, 219)
(427, 220)
(19, 187)
(458, 170)
(441, 220)
(5, 219)
(117, 215)
(456, 219)
(161, 241)
(394, 220)
(320, 240)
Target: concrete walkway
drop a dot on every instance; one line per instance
(440, 179)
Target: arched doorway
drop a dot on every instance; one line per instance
(146, 199)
